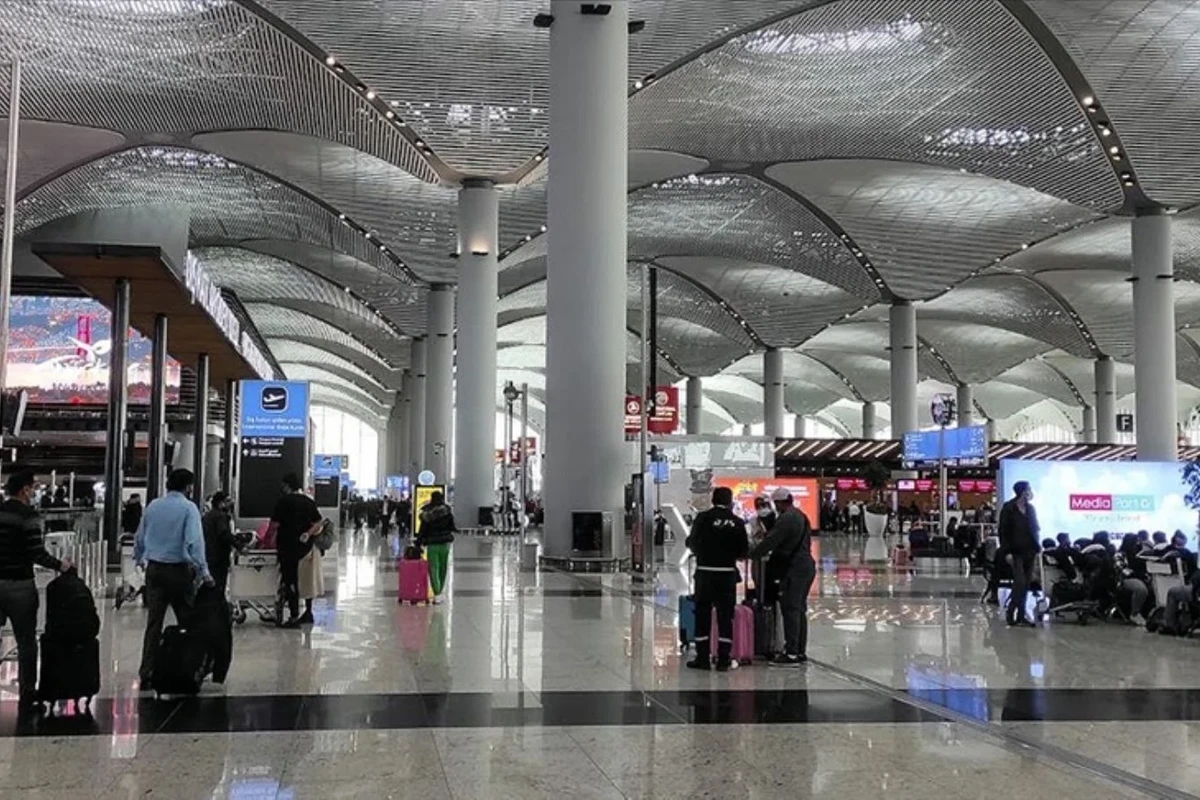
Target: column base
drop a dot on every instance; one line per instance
(583, 562)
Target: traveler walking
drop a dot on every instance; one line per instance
(170, 542)
(436, 534)
(21, 548)
(131, 514)
(219, 539)
(718, 539)
(1018, 530)
(790, 573)
(298, 520)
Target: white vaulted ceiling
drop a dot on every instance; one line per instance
(795, 166)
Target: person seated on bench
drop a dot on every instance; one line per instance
(1179, 595)
(1159, 541)
(1134, 590)
(1060, 553)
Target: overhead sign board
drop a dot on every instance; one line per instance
(274, 426)
(664, 418)
(325, 466)
(955, 446)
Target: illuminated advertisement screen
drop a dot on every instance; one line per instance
(59, 349)
(804, 494)
(1082, 497)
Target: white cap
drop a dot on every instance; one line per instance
(781, 495)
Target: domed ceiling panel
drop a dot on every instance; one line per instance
(276, 321)
(287, 351)
(1141, 57)
(1081, 372)
(325, 377)
(1003, 400)
(926, 228)
(1038, 376)
(47, 148)
(782, 306)
(472, 76)
(175, 66)
(323, 394)
(870, 375)
(960, 85)
(962, 344)
(872, 339)
(737, 217)
(414, 219)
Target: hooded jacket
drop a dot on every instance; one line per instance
(437, 525)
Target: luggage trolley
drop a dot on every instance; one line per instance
(1164, 576)
(133, 581)
(254, 585)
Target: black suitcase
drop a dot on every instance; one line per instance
(766, 642)
(70, 669)
(181, 662)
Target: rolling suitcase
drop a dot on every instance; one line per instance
(766, 632)
(181, 663)
(687, 619)
(70, 670)
(414, 580)
(743, 633)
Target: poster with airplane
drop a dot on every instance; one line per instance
(59, 349)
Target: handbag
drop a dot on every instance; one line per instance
(323, 541)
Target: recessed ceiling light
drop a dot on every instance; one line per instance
(1088, 100)
(1114, 149)
(638, 84)
(370, 94)
(330, 61)
(1106, 131)
(543, 229)
(1024, 246)
(342, 217)
(419, 143)
(390, 114)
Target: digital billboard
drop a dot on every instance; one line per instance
(804, 493)
(955, 445)
(274, 426)
(1082, 497)
(59, 350)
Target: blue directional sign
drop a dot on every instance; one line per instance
(956, 446)
(275, 408)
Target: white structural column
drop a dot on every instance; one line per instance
(585, 312)
(799, 429)
(870, 421)
(965, 406)
(993, 431)
(903, 337)
(475, 406)
(403, 457)
(1089, 424)
(1105, 414)
(439, 381)
(773, 408)
(695, 406)
(1155, 412)
(416, 406)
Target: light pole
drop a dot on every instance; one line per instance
(511, 395)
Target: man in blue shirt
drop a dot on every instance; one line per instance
(170, 543)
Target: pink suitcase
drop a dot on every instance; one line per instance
(743, 633)
(414, 580)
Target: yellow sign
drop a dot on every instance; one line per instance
(421, 497)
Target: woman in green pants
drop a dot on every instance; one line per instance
(436, 535)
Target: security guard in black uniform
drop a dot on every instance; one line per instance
(718, 538)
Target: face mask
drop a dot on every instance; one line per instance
(764, 512)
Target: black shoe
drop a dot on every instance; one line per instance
(1023, 622)
(305, 619)
(699, 663)
(724, 664)
(784, 660)
(30, 705)
(292, 623)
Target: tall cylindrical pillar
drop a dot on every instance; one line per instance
(799, 428)
(993, 431)
(200, 431)
(212, 467)
(773, 392)
(118, 412)
(404, 436)
(416, 408)
(585, 320)
(1089, 424)
(157, 435)
(1155, 410)
(870, 421)
(695, 406)
(230, 443)
(478, 290)
(965, 406)
(1105, 414)
(439, 383)
(903, 337)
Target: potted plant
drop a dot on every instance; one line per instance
(876, 511)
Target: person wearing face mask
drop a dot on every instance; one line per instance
(789, 575)
(1018, 530)
(219, 539)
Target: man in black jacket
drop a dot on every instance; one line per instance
(219, 540)
(718, 538)
(20, 548)
(1018, 530)
(790, 573)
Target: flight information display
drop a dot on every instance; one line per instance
(956, 446)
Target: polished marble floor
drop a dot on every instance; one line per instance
(557, 686)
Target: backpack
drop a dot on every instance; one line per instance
(71, 609)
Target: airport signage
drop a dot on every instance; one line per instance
(274, 427)
(955, 446)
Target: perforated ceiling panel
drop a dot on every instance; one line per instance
(651, 166)
(734, 216)
(325, 395)
(175, 66)
(516, 275)
(414, 219)
(782, 306)
(275, 321)
(1081, 372)
(963, 345)
(871, 338)
(926, 228)
(1140, 57)
(1038, 376)
(1014, 304)
(741, 397)
(1187, 359)
(801, 373)
(870, 375)
(285, 350)
(472, 76)
(960, 85)
(47, 148)
(327, 377)
(1028, 420)
(527, 357)
(1002, 400)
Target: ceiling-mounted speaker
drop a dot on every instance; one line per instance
(595, 9)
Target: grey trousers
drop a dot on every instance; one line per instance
(19, 603)
(793, 604)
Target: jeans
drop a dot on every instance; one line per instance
(715, 590)
(1022, 568)
(793, 603)
(166, 585)
(1137, 592)
(19, 603)
(289, 580)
